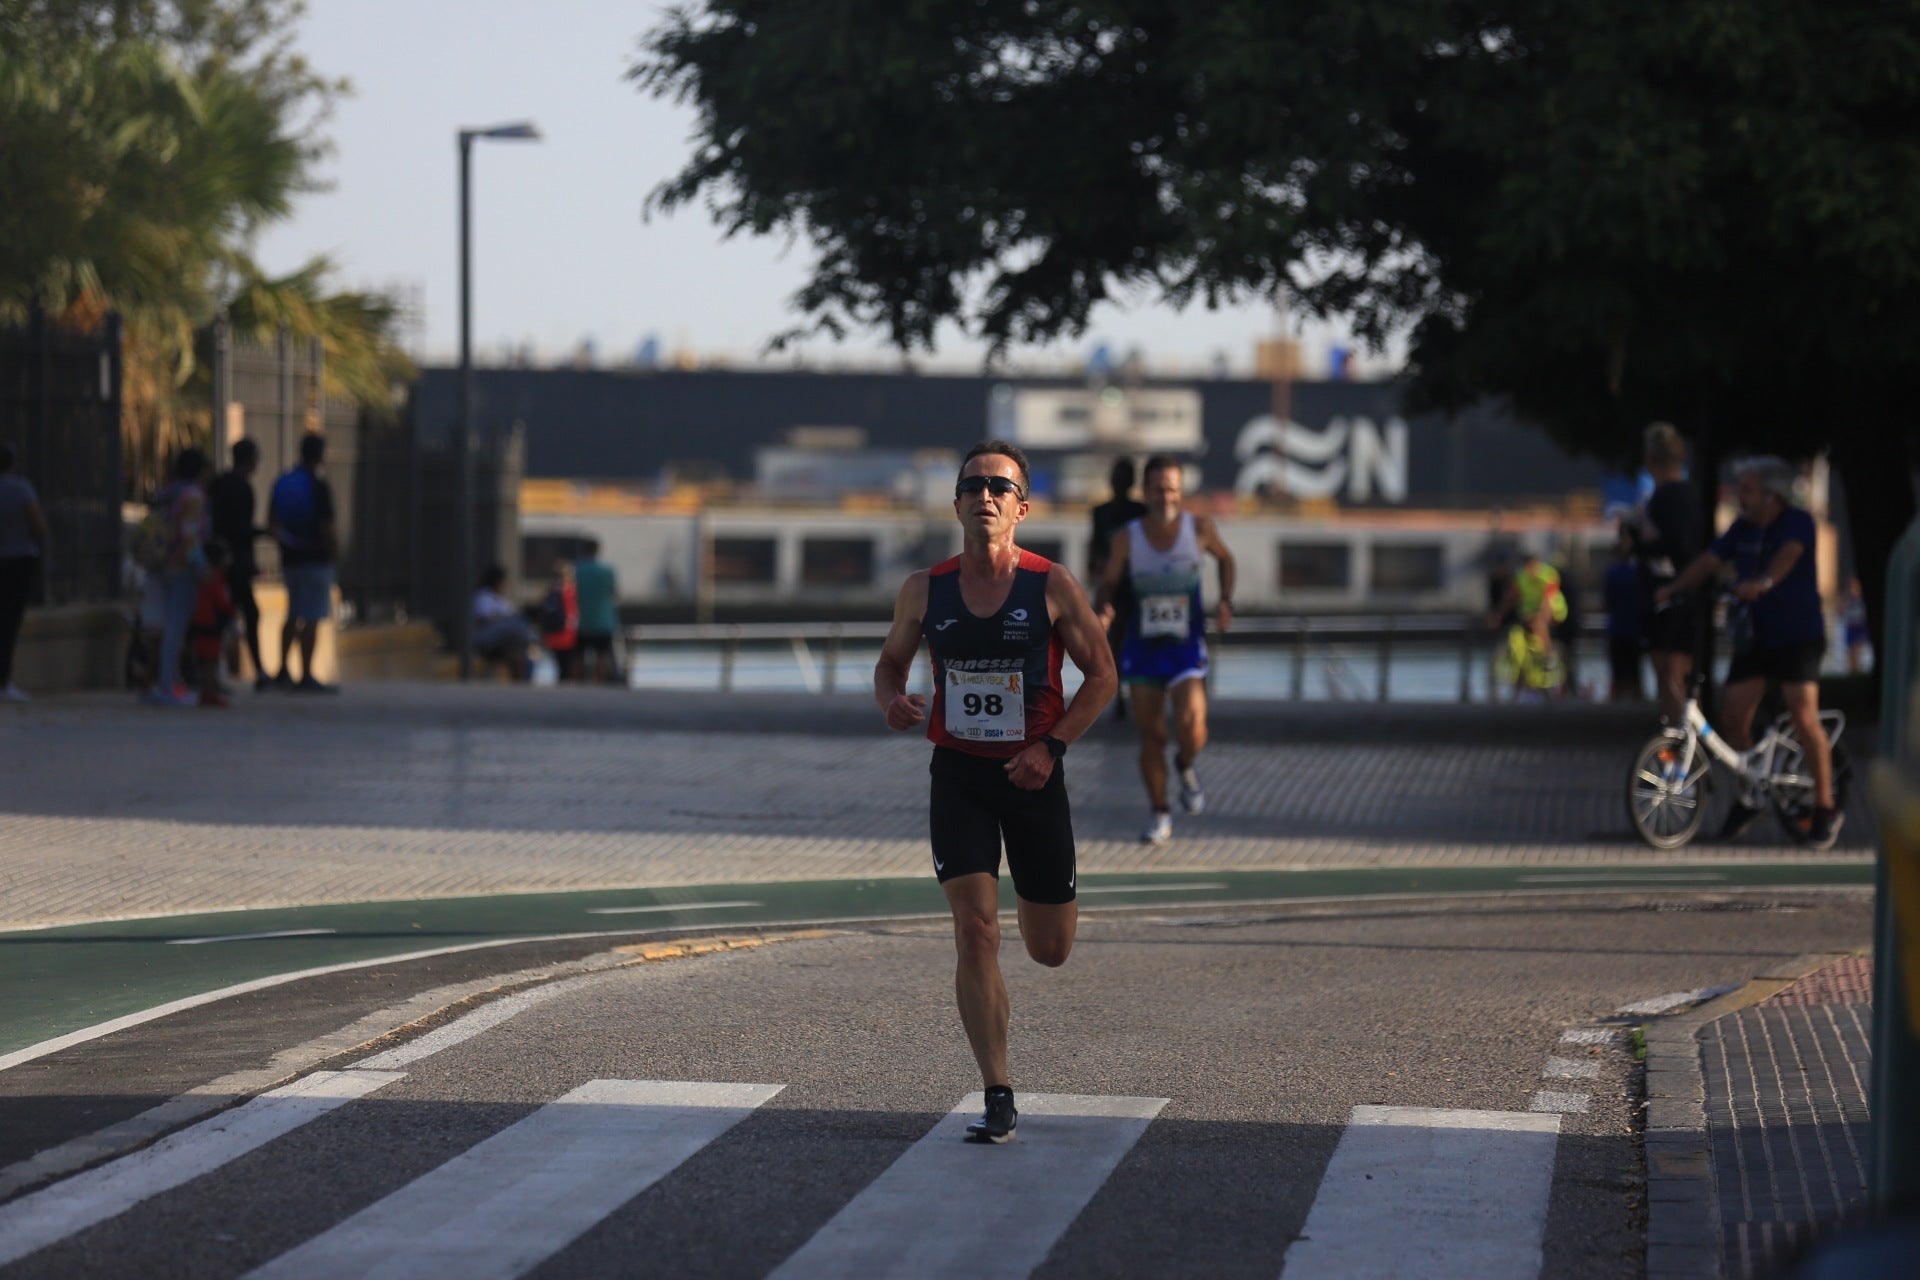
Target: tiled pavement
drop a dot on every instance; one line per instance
(1786, 1106)
(109, 810)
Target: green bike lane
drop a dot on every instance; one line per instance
(60, 983)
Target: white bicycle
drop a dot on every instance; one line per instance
(1672, 776)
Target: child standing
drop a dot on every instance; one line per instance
(213, 615)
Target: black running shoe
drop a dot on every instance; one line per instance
(1739, 818)
(1825, 828)
(1000, 1120)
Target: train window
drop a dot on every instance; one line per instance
(1408, 566)
(836, 562)
(744, 560)
(1045, 548)
(1315, 566)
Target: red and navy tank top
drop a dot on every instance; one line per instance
(996, 680)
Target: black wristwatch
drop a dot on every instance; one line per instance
(1055, 747)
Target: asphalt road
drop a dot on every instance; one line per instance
(1261, 1028)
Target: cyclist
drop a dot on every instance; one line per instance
(1771, 549)
(1164, 657)
(1536, 604)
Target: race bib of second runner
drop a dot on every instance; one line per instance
(1163, 617)
(986, 706)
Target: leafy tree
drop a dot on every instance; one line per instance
(142, 143)
(1605, 214)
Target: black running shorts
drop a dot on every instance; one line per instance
(1789, 664)
(974, 806)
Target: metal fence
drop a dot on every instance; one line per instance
(60, 408)
(396, 501)
(1303, 657)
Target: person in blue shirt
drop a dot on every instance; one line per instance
(1625, 648)
(1771, 551)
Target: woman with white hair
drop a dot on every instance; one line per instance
(1771, 550)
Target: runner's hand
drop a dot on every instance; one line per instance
(1106, 617)
(1224, 615)
(1031, 767)
(905, 711)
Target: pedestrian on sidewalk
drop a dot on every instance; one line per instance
(1625, 648)
(213, 615)
(1109, 518)
(1669, 532)
(179, 517)
(499, 632)
(597, 592)
(301, 516)
(560, 623)
(235, 522)
(23, 539)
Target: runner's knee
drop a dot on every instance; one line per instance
(1050, 951)
(976, 937)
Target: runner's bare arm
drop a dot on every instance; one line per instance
(1212, 543)
(1704, 567)
(890, 675)
(1782, 564)
(1086, 643)
(1110, 581)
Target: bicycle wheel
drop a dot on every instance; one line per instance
(1793, 802)
(1666, 803)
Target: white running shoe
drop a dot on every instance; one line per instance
(1193, 796)
(1158, 831)
(13, 693)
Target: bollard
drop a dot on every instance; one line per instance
(1893, 1103)
(727, 652)
(1466, 663)
(1299, 657)
(1386, 656)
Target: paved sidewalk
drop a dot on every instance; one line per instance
(1787, 1114)
(109, 809)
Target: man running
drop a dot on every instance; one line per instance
(996, 619)
(1164, 657)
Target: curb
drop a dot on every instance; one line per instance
(1683, 1203)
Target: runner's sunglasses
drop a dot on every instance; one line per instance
(999, 486)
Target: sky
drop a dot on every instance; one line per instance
(561, 250)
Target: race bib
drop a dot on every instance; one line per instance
(1163, 617)
(986, 706)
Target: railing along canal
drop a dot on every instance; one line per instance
(1455, 648)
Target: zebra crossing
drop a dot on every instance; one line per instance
(1409, 1190)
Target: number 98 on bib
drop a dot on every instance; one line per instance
(986, 706)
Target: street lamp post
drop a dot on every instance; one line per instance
(469, 516)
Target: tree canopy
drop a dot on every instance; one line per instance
(142, 145)
(1604, 214)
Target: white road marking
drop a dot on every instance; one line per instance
(667, 906)
(107, 1028)
(1569, 1103)
(1568, 1069)
(1671, 1000)
(86, 1199)
(948, 1208)
(499, 1209)
(1590, 1035)
(465, 1027)
(250, 937)
(1419, 1191)
(1664, 877)
(1147, 888)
